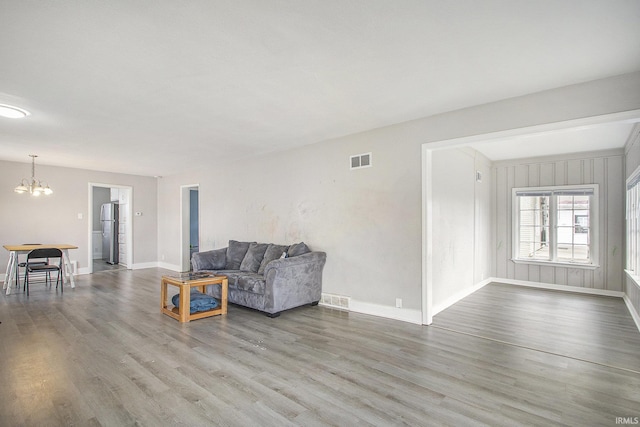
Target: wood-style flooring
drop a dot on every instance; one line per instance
(586, 327)
(103, 355)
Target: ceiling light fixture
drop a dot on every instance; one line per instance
(11, 112)
(34, 187)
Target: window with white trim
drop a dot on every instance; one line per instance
(556, 225)
(633, 223)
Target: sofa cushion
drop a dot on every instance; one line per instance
(235, 254)
(232, 277)
(251, 282)
(298, 249)
(253, 258)
(273, 252)
(216, 259)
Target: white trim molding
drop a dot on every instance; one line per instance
(167, 266)
(143, 265)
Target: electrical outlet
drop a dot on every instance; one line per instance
(398, 302)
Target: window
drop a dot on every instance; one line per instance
(633, 225)
(556, 225)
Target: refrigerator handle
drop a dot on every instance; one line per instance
(102, 219)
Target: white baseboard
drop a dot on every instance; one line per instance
(565, 288)
(139, 266)
(167, 266)
(389, 312)
(437, 308)
(143, 265)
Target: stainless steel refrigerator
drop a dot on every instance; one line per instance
(109, 219)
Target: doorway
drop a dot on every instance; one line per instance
(190, 224)
(430, 283)
(110, 227)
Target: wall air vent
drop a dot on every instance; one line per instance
(360, 161)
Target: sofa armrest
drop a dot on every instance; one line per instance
(295, 281)
(209, 260)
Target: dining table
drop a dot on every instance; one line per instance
(16, 250)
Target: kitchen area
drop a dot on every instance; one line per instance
(109, 235)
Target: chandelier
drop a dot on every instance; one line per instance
(33, 187)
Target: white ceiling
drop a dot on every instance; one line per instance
(159, 87)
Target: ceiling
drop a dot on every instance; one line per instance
(160, 87)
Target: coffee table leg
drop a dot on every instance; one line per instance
(185, 302)
(163, 295)
(223, 296)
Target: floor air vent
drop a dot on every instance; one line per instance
(335, 301)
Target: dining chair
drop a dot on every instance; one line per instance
(44, 254)
(24, 264)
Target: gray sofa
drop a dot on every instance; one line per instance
(264, 276)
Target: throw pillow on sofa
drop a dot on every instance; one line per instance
(273, 252)
(235, 254)
(254, 256)
(298, 249)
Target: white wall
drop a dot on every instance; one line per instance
(604, 169)
(462, 224)
(311, 195)
(368, 221)
(54, 218)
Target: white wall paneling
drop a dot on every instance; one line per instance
(603, 168)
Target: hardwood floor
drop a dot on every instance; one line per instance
(586, 327)
(103, 354)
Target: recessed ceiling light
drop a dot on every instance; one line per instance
(11, 112)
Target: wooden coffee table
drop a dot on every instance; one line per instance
(185, 282)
